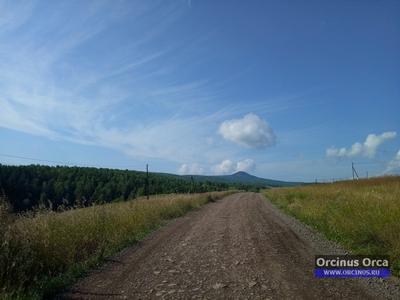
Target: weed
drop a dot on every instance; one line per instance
(362, 215)
(42, 252)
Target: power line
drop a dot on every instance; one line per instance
(65, 163)
(34, 159)
(387, 150)
(371, 163)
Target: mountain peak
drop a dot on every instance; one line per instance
(241, 173)
(242, 177)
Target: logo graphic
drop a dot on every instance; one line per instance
(346, 266)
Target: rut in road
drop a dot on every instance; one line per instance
(236, 248)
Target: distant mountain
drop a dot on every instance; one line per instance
(243, 178)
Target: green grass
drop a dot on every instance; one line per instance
(363, 216)
(42, 253)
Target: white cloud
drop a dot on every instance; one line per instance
(225, 167)
(367, 149)
(191, 169)
(394, 165)
(46, 91)
(228, 167)
(247, 165)
(374, 141)
(331, 152)
(134, 101)
(250, 131)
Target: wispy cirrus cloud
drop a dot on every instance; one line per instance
(123, 93)
(47, 89)
(14, 15)
(106, 74)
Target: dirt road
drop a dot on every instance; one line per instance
(236, 248)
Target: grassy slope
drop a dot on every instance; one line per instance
(41, 254)
(363, 215)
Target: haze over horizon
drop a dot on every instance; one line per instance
(278, 89)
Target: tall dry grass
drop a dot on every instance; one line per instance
(362, 215)
(42, 252)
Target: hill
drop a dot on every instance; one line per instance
(242, 178)
(31, 186)
(27, 187)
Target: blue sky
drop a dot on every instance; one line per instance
(292, 90)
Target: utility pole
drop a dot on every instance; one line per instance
(354, 171)
(192, 184)
(147, 181)
(367, 174)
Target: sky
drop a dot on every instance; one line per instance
(289, 90)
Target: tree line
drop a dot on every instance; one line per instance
(33, 186)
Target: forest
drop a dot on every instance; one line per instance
(37, 186)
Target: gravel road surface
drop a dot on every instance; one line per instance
(240, 247)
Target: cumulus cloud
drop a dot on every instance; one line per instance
(394, 165)
(191, 169)
(367, 149)
(250, 131)
(247, 165)
(228, 167)
(225, 167)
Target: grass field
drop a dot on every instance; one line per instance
(363, 215)
(44, 252)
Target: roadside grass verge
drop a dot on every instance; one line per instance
(44, 252)
(362, 215)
